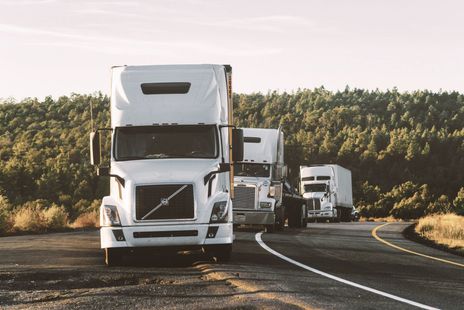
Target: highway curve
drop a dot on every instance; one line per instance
(328, 266)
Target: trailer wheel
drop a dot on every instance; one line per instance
(222, 252)
(113, 257)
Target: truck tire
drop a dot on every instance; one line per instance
(304, 219)
(280, 219)
(295, 218)
(345, 215)
(292, 217)
(222, 252)
(113, 256)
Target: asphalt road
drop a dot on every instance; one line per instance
(328, 266)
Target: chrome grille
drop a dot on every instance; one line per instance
(314, 204)
(244, 197)
(179, 206)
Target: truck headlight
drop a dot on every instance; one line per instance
(265, 204)
(219, 213)
(328, 208)
(272, 191)
(110, 216)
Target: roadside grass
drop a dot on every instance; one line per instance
(40, 216)
(89, 219)
(444, 229)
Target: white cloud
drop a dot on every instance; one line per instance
(272, 23)
(28, 2)
(116, 45)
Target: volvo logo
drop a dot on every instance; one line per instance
(164, 202)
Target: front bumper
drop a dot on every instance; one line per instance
(166, 235)
(321, 214)
(254, 217)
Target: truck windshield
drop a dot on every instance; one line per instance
(312, 188)
(149, 142)
(252, 170)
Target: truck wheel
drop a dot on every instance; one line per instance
(280, 219)
(297, 217)
(113, 257)
(222, 252)
(345, 215)
(304, 219)
(294, 217)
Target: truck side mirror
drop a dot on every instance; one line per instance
(95, 151)
(237, 144)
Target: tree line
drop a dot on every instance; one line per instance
(405, 149)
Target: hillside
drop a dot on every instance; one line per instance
(405, 150)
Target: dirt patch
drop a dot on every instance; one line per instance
(62, 280)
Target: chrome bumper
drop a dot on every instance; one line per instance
(254, 217)
(321, 214)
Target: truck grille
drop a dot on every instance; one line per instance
(314, 204)
(244, 197)
(180, 206)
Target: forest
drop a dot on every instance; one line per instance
(405, 149)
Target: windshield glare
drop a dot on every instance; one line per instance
(252, 170)
(148, 142)
(314, 188)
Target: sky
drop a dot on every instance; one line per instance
(59, 47)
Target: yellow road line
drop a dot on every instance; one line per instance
(374, 234)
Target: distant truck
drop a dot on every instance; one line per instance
(171, 164)
(263, 195)
(329, 192)
(259, 178)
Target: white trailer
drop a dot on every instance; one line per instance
(171, 162)
(329, 192)
(259, 178)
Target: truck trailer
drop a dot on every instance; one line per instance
(329, 192)
(258, 179)
(171, 162)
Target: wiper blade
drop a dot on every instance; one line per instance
(160, 155)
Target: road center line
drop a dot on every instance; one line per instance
(324, 274)
(374, 234)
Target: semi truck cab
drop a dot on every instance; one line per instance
(328, 190)
(258, 179)
(171, 162)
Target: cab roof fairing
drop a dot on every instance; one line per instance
(315, 171)
(205, 102)
(269, 150)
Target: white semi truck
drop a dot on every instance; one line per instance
(258, 179)
(329, 192)
(171, 163)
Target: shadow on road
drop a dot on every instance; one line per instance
(153, 258)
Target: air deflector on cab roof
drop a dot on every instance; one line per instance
(165, 88)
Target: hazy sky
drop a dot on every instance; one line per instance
(55, 47)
